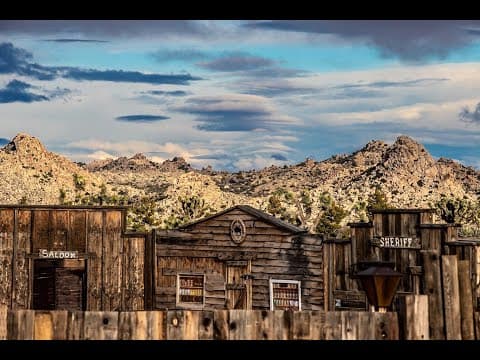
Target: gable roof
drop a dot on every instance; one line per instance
(254, 212)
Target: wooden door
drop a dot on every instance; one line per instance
(59, 285)
(238, 285)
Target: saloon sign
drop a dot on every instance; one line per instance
(57, 254)
(397, 242)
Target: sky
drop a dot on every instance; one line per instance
(240, 95)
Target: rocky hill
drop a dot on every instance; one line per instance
(31, 174)
(404, 171)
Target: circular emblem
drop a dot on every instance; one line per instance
(238, 231)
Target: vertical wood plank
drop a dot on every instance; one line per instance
(51, 325)
(41, 229)
(3, 322)
(283, 323)
(141, 325)
(112, 261)
(220, 324)
(133, 274)
(466, 300)
(477, 325)
(76, 325)
(301, 329)
(175, 324)
(264, 324)
(192, 320)
(101, 325)
(333, 325)
(59, 230)
(413, 316)
(433, 288)
(95, 269)
(77, 230)
(6, 255)
(21, 283)
(205, 325)
(20, 324)
(317, 324)
(451, 296)
(385, 325)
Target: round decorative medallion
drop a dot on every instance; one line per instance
(238, 231)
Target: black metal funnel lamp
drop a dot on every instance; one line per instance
(380, 283)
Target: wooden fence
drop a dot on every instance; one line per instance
(193, 325)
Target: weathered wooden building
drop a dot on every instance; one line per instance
(411, 241)
(240, 258)
(72, 257)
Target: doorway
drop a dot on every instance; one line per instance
(238, 285)
(59, 284)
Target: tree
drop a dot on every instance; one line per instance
(377, 201)
(330, 216)
(460, 211)
(79, 181)
(143, 215)
(62, 196)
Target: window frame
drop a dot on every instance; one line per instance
(280, 281)
(182, 304)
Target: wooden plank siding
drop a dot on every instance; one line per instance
(115, 260)
(272, 252)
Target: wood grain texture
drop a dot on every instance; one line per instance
(466, 300)
(451, 295)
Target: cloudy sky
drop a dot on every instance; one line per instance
(240, 94)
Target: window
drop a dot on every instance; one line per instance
(285, 295)
(190, 289)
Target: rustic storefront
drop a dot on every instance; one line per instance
(411, 242)
(72, 258)
(240, 258)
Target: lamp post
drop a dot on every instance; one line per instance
(380, 283)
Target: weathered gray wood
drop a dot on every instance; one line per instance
(413, 315)
(220, 324)
(433, 288)
(333, 325)
(3, 322)
(51, 325)
(451, 296)
(466, 300)
(101, 325)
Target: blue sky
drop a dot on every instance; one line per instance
(240, 95)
